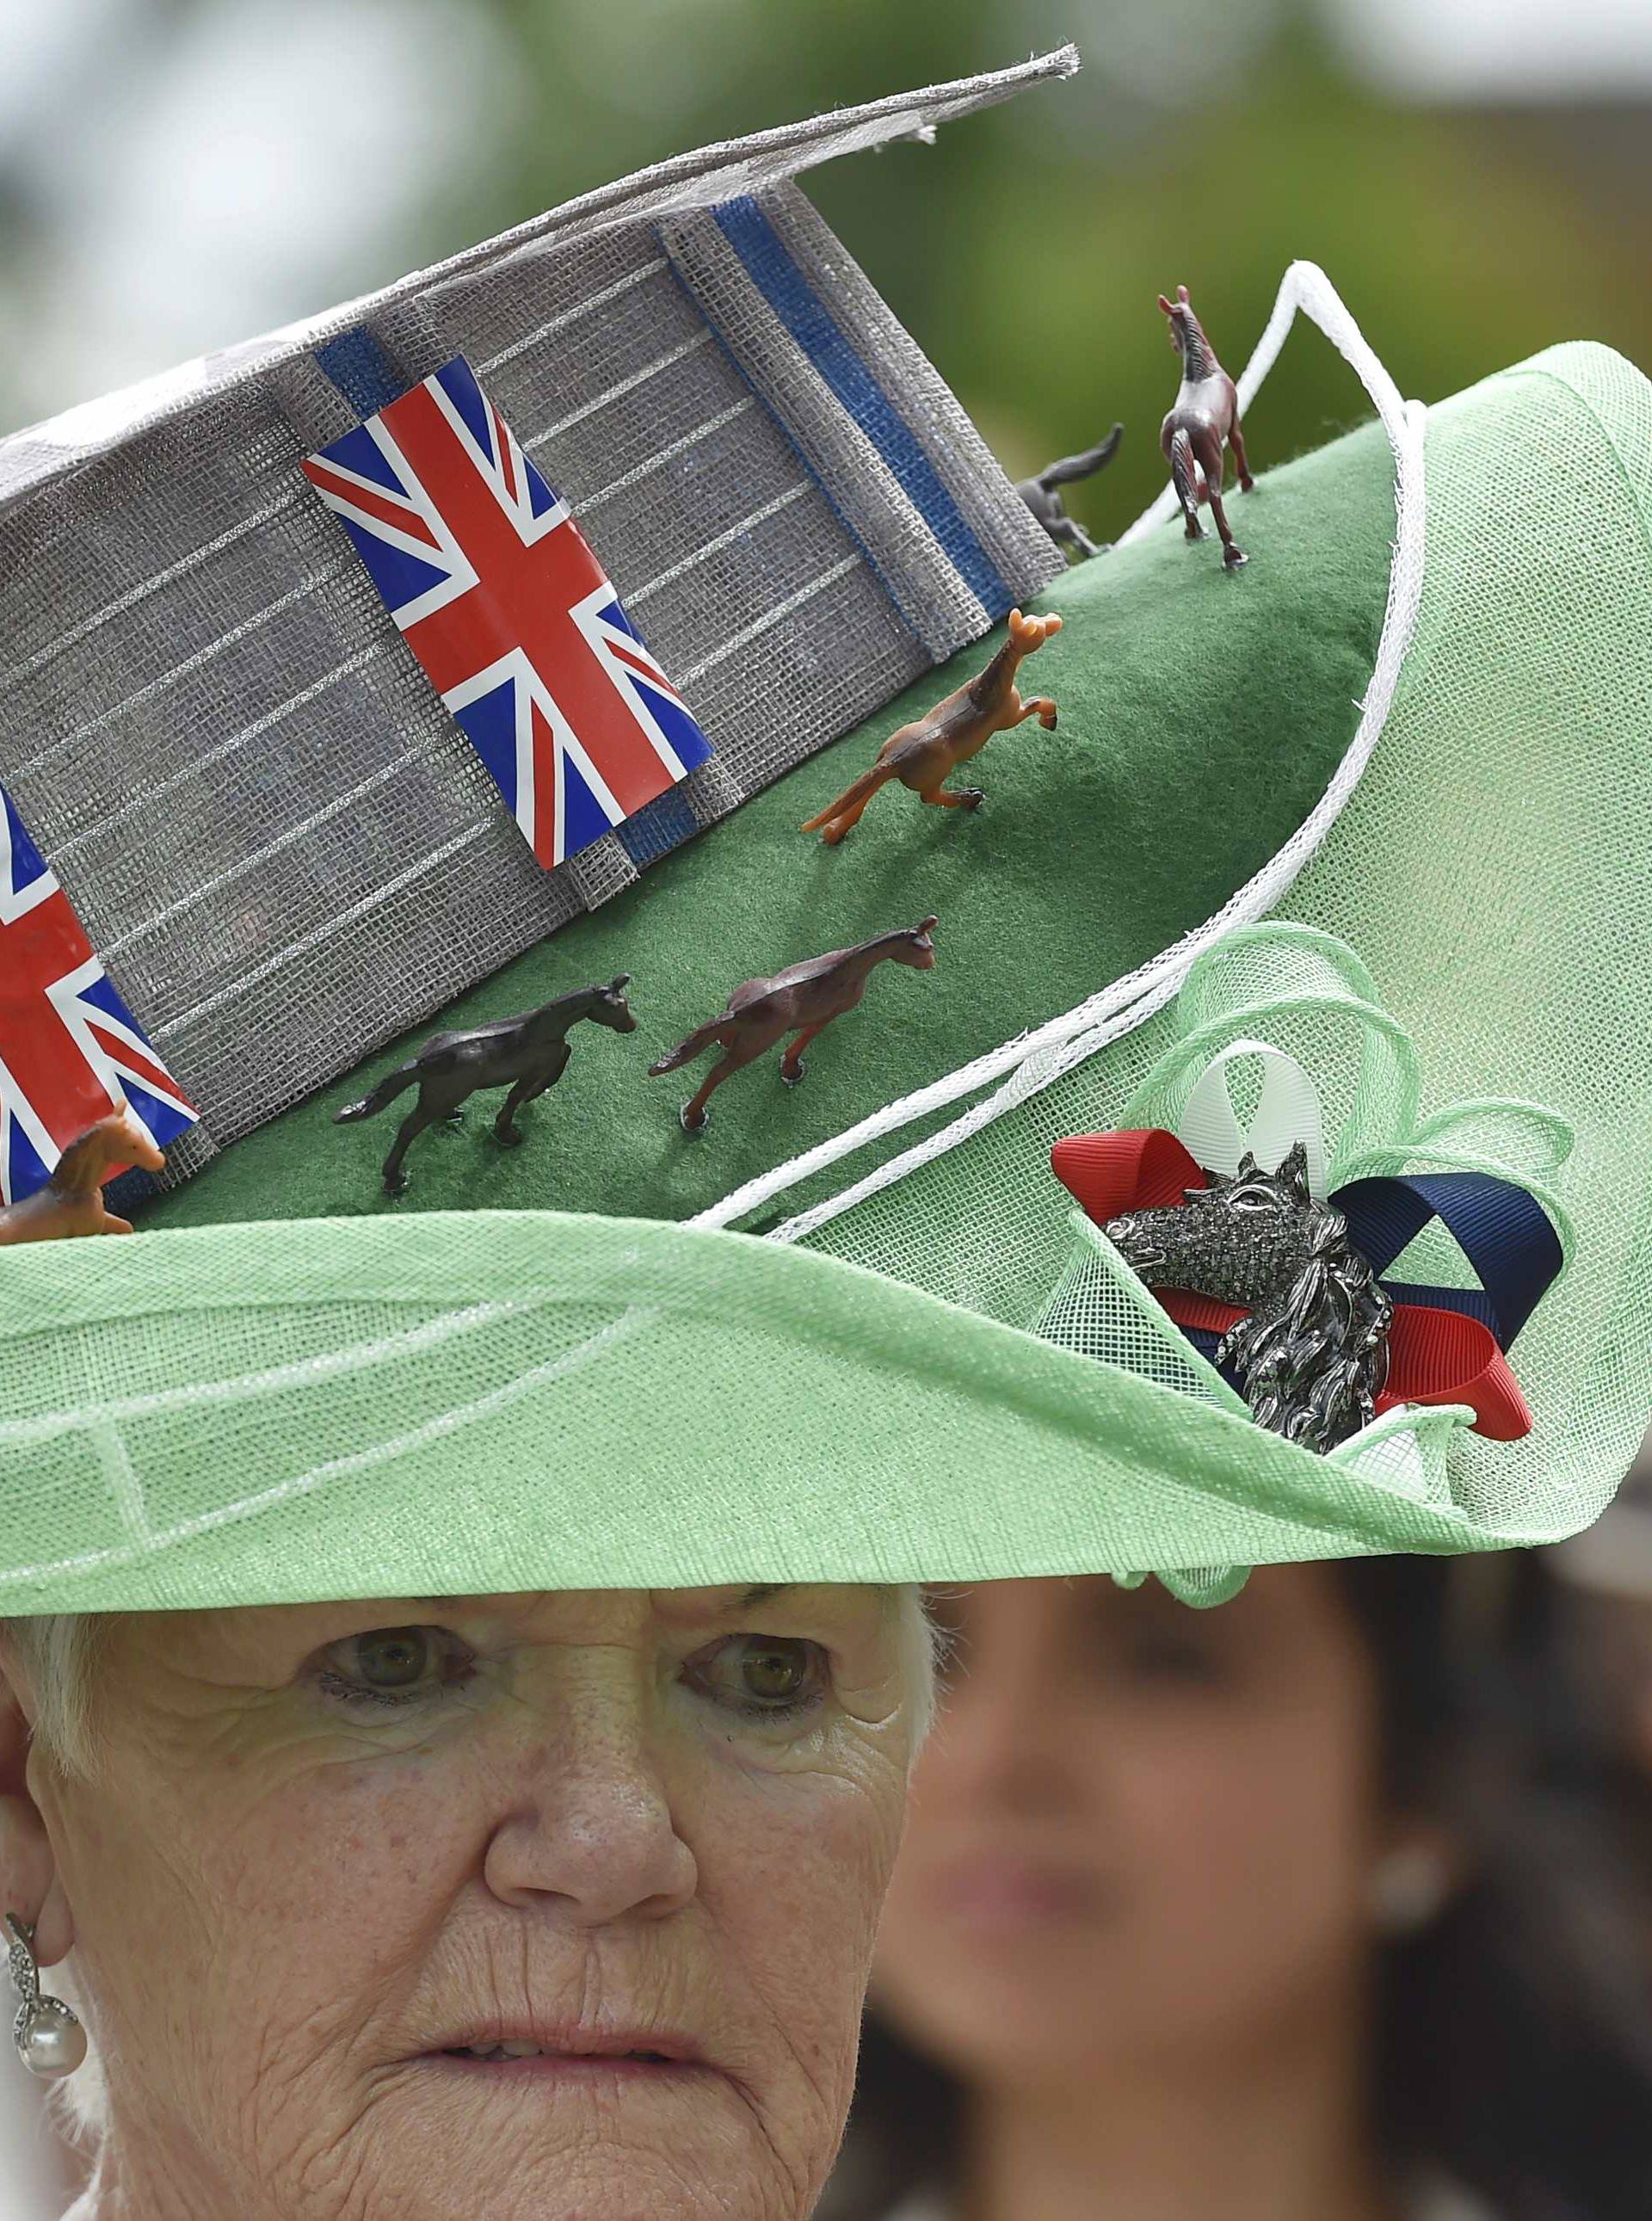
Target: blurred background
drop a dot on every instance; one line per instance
(177, 175)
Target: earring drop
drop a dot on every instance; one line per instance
(49, 2037)
(1409, 1889)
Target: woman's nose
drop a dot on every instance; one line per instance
(999, 1745)
(597, 1835)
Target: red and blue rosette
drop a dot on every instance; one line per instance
(1447, 1345)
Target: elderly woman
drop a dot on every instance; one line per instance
(543, 1903)
(550, 1891)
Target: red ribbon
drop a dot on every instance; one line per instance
(1434, 1356)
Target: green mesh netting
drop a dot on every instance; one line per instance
(1492, 869)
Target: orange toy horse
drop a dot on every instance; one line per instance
(1206, 413)
(72, 1202)
(799, 1000)
(920, 755)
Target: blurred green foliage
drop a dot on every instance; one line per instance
(1024, 248)
(1205, 141)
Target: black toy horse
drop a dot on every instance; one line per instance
(1313, 1353)
(1042, 495)
(529, 1054)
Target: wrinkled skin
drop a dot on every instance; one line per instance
(285, 1901)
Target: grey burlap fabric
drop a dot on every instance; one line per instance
(283, 849)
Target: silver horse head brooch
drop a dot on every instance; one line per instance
(1312, 1356)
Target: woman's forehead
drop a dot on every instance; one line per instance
(1276, 1601)
(568, 1615)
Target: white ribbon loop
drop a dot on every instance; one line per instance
(1288, 1111)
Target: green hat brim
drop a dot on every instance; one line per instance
(466, 1403)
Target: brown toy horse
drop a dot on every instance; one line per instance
(921, 754)
(72, 1202)
(1206, 413)
(799, 1000)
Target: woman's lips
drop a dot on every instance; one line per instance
(589, 2067)
(991, 1893)
(574, 2054)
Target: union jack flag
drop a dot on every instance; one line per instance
(517, 627)
(71, 1052)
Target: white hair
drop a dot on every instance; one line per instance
(58, 1652)
(923, 1652)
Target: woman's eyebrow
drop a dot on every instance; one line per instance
(761, 1594)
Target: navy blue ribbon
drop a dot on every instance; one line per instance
(1503, 1232)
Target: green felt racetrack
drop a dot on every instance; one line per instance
(1186, 696)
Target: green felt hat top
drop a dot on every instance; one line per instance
(1201, 716)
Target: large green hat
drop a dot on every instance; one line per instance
(1370, 815)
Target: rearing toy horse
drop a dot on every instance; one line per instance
(1206, 413)
(921, 755)
(801, 1000)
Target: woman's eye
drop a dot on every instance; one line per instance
(1174, 1658)
(760, 1675)
(392, 1665)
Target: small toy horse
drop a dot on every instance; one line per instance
(72, 1202)
(1313, 1353)
(1206, 413)
(1041, 496)
(800, 1000)
(528, 1053)
(921, 754)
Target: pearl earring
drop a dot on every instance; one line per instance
(1409, 1889)
(49, 2038)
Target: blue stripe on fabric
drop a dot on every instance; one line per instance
(891, 586)
(363, 372)
(133, 1186)
(658, 827)
(805, 315)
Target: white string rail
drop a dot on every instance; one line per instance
(1034, 1059)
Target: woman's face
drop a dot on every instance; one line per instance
(637, 1841)
(1137, 1831)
